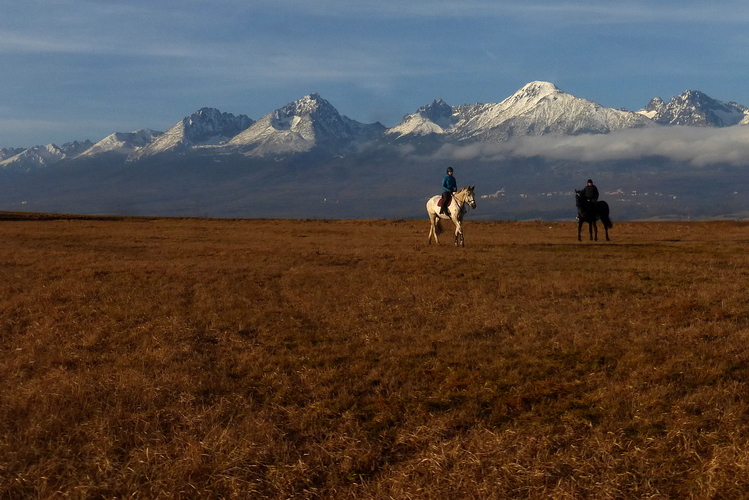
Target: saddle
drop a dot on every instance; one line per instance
(446, 202)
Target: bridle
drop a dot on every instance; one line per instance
(461, 201)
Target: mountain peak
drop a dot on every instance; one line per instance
(209, 122)
(6, 153)
(536, 90)
(695, 108)
(529, 96)
(123, 143)
(46, 155)
(307, 124)
(655, 104)
(694, 98)
(434, 118)
(654, 107)
(438, 111)
(307, 105)
(205, 127)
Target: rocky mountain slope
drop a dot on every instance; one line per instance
(123, 143)
(305, 125)
(44, 156)
(538, 108)
(694, 108)
(205, 127)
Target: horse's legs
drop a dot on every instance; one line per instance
(595, 231)
(606, 229)
(433, 218)
(579, 229)
(459, 240)
(458, 232)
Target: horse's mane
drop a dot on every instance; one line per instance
(463, 192)
(579, 199)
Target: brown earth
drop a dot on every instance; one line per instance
(194, 358)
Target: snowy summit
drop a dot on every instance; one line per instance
(302, 126)
(538, 108)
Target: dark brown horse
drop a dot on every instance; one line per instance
(590, 212)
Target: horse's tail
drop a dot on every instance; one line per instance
(604, 213)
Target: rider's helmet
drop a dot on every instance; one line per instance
(449, 169)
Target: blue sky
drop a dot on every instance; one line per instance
(76, 69)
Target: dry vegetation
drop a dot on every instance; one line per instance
(169, 358)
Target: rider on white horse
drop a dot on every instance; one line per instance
(449, 186)
(461, 200)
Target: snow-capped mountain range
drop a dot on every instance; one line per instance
(539, 108)
(696, 109)
(6, 153)
(312, 125)
(205, 127)
(123, 142)
(301, 126)
(40, 156)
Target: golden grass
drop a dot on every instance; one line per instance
(188, 358)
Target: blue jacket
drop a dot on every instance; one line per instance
(449, 183)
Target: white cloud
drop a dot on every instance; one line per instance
(693, 146)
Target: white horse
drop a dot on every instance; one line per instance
(458, 207)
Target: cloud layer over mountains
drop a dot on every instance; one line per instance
(696, 147)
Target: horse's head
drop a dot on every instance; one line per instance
(470, 199)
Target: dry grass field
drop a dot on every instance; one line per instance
(192, 358)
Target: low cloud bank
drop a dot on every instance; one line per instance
(696, 147)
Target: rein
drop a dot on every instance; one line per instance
(462, 200)
(459, 202)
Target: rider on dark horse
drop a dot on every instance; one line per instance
(588, 196)
(589, 209)
(590, 191)
(449, 186)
